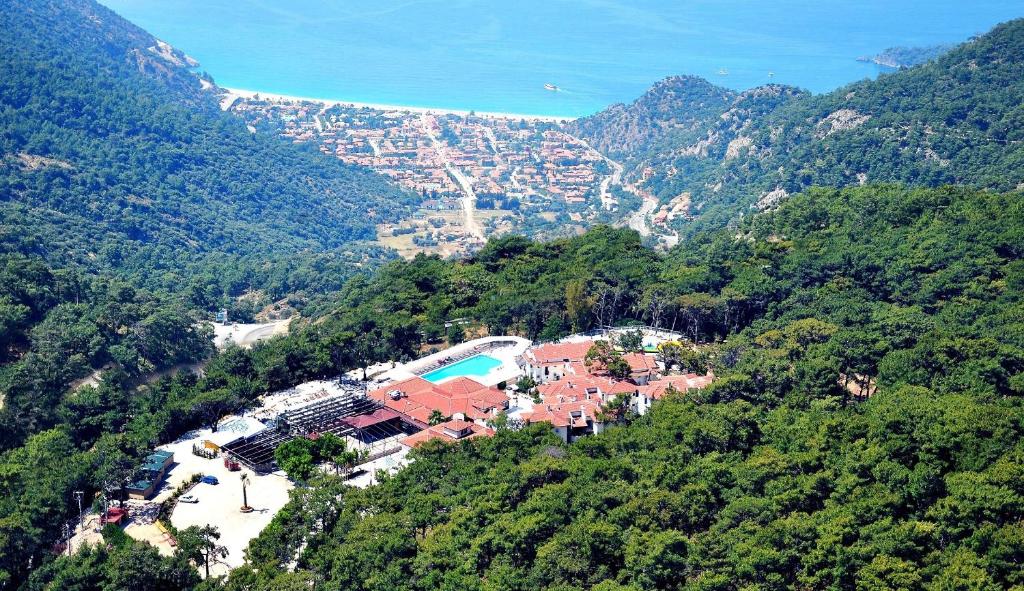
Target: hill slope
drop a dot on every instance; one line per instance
(772, 478)
(115, 156)
(953, 120)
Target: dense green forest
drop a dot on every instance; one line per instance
(956, 119)
(114, 159)
(58, 326)
(131, 206)
(775, 477)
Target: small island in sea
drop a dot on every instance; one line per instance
(906, 57)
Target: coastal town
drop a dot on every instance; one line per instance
(480, 175)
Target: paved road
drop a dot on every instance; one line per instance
(493, 140)
(375, 145)
(468, 200)
(257, 334)
(615, 178)
(245, 335)
(638, 220)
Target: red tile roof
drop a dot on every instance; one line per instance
(457, 425)
(583, 387)
(558, 352)
(378, 416)
(461, 387)
(419, 398)
(640, 362)
(438, 432)
(657, 389)
(560, 415)
(621, 387)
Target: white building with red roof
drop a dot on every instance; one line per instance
(572, 388)
(574, 403)
(642, 366)
(416, 399)
(570, 420)
(551, 361)
(449, 431)
(658, 389)
(573, 395)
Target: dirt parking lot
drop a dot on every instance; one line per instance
(219, 505)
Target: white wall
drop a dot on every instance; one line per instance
(555, 372)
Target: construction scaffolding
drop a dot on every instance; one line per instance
(256, 451)
(364, 423)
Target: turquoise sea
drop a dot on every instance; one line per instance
(496, 55)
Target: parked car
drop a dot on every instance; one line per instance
(209, 480)
(189, 499)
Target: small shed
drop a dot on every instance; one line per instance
(150, 474)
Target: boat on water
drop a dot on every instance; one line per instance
(723, 72)
(771, 74)
(551, 87)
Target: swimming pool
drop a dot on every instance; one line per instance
(475, 366)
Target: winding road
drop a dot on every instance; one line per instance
(246, 335)
(615, 178)
(638, 219)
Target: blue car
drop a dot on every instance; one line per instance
(209, 480)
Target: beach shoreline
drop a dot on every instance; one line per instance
(236, 93)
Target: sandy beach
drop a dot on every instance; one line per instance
(235, 93)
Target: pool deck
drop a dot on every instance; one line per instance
(477, 364)
(507, 355)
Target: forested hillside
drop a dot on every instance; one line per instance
(114, 158)
(864, 431)
(906, 57)
(57, 326)
(956, 119)
(675, 112)
(774, 478)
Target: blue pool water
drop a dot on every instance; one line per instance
(493, 55)
(478, 365)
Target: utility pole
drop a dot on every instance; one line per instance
(81, 517)
(106, 503)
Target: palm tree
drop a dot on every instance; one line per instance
(245, 499)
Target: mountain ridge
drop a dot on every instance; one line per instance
(952, 120)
